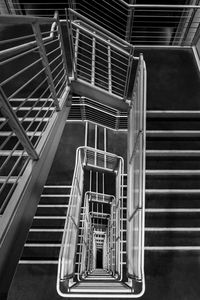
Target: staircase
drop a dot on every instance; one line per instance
(45, 235)
(172, 191)
(34, 117)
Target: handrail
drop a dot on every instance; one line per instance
(15, 19)
(136, 178)
(159, 5)
(84, 243)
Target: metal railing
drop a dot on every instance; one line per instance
(100, 58)
(139, 24)
(70, 236)
(145, 24)
(86, 230)
(33, 86)
(170, 25)
(85, 109)
(136, 178)
(87, 157)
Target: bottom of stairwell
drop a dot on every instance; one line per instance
(102, 282)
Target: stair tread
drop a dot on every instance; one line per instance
(172, 152)
(173, 113)
(173, 172)
(172, 191)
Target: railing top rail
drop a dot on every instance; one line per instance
(99, 151)
(158, 5)
(88, 193)
(15, 19)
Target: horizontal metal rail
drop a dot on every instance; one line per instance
(145, 24)
(140, 24)
(85, 109)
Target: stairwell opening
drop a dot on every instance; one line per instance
(99, 262)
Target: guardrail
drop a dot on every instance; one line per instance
(33, 86)
(139, 24)
(100, 57)
(145, 24)
(85, 109)
(87, 157)
(136, 179)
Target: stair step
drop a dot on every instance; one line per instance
(52, 210)
(175, 143)
(54, 199)
(173, 133)
(172, 237)
(165, 162)
(42, 251)
(172, 182)
(44, 236)
(171, 123)
(173, 172)
(172, 191)
(48, 222)
(38, 262)
(173, 114)
(173, 218)
(102, 287)
(172, 200)
(173, 153)
(173, 248)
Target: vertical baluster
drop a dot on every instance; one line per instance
(76, 46)
(109, 70)
(96, 144)
(105, 146)
(93, 60)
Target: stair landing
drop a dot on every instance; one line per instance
(100, 281)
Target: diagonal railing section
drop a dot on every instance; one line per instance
(100, 58)
(71, 230)
(33, 87)
(112, 14)
(136, 179)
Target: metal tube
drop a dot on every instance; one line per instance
(93, 61)
(37, 32)
(14, 123)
